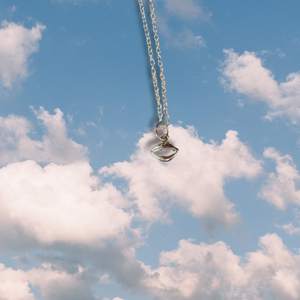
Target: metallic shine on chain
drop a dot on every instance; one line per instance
(162, 110)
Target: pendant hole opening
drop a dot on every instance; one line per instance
(165, 152)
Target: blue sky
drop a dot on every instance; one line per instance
(88, 213)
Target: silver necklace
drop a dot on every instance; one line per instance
(161, 109)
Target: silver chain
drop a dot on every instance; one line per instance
(160, 110)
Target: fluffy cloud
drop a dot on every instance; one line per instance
(214, 272)
(246, 75)
(192, 271)
(17, 43)
(16, 144)
(194, 180)
(53, 284)
(280, 189)
(14, 285)
(58, 204)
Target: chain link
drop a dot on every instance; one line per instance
(160, 109)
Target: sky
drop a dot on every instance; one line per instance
(86, 212)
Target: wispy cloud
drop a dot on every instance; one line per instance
(188, 10)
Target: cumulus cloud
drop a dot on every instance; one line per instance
(192, 271)
(280, 188)
(58, 203)
(214, 272)
(53, 284)
(17, 43)
(16, 143)
(194, 180)
(82, 223)
(14, 285)
(246, 75)
(61, 202)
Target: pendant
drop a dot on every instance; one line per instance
(164, 145)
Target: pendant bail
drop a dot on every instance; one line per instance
(164, 145)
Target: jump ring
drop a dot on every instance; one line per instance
(164, 137)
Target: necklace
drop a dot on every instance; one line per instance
(161, 109)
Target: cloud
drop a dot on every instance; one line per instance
(17, 43)
(79, 225)
(182, 39)
(61, 202)
(58, 203)
(246, 75)
(55, 146)
(214, 272)
(12, 9)
(187, 9)
(53, 284)
(192, 271)
(290, 229)
(201, 167)
(280, 188)
(186, 39)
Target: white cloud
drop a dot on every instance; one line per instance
(54, 284)
(14, 285)
(187, 9)
(192, 271)
(58, 203)
(280, 189)
(214, 272)
(246, 75)
(17, 43)
(194, 180)
(16, 144)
